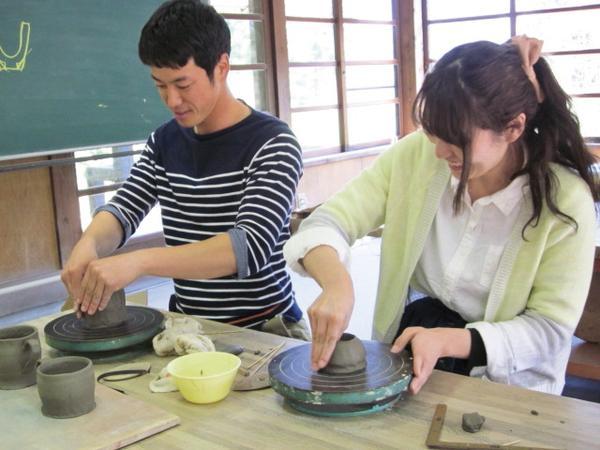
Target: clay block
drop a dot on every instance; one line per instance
(472, 422)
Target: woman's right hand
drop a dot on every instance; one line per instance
(330, 313)
(329, 317)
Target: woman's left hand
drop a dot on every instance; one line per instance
(430, 344)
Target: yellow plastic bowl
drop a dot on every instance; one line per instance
(204, 377)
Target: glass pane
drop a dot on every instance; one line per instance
(104, 172)
(577, 74)
(369, 83)
(444, 9)
(445, 36)
(309, 8)
(372, 123)
(588, 111)
(532, 5)
(250, 86)
(310, 42)
(313, 86)
(372, 10)
(88, 204)
(237, 6)
(316, 129)
(368, 42)
(247, 42)
(576, 30)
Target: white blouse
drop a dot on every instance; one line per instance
(462, 252)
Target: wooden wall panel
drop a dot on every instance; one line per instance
(320, 182)
(27, 225)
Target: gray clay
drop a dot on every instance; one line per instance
(113, 315)
(472, 422)
(66, 386)
(349, 356)
(19, 353)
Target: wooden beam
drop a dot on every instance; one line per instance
(280, 60)
(340, 72)
(66, 209)
(405, 42)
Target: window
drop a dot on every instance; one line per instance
(573, 51)
(251, 75)
(342, 66)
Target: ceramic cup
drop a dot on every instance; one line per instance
(19, 354)
(66, 386)
(114, 314)
(349, 356)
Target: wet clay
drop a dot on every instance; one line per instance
(113, 315)
(19, 354)
(472, 422)
(66, 386)
(349, 356)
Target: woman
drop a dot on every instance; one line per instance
(489, 220)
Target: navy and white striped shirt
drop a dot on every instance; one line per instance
(239, 181)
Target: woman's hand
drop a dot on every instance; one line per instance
(329, 316)
(430, 344)
(330, 313)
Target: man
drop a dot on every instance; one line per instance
(225, 177)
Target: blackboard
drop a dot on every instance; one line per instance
(77, 81)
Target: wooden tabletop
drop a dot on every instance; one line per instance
(261, 419)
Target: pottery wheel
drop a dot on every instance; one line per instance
(68, 334)
(373, 389)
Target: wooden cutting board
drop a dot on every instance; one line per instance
(118, 420)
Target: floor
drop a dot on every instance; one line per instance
(365, 272)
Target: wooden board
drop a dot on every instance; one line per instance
(118, 420)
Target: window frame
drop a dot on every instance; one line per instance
(403, 62)
(512, 15)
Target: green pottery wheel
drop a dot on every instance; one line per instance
(67, 333)
(373, 389)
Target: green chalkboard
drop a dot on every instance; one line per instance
(70, 76)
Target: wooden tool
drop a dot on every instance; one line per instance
(435, 432)
(255, 375)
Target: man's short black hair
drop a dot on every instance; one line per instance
(183, 29)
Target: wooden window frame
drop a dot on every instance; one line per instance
(403, 63)
(512, 15)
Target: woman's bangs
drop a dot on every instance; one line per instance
(440, 118)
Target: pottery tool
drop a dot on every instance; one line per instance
(260, 362)
(435, 432)
(255, 375)
(373, 389)
(68, 333)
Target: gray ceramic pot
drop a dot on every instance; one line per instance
(349, 356)
(114, 314)
(19, 354)
(66, 386)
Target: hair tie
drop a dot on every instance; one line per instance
(530, 50)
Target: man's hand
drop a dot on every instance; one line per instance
(430, 344)
(75, 268)
(100, 238)
(102, 278)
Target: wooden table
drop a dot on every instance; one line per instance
(260, 419)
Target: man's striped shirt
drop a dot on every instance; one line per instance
(240, 181)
